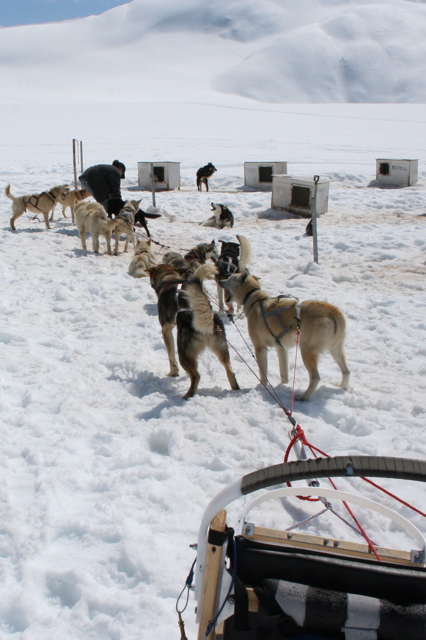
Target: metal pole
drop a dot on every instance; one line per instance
(81, 156)
(74, 161)
(314, 220)
(152, 183)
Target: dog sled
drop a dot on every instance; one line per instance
(258, 583)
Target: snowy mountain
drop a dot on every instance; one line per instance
(277, 51)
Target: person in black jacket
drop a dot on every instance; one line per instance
(102, 181)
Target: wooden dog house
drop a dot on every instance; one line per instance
(258, 175)
(166, 175)
(296, 195)
(396, 173)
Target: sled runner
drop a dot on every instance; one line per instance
(258, 583)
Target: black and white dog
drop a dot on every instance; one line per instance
(222, 217)
(203, 174)
(233, 258)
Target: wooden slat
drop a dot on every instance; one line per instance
(210, 586)
(328, 545)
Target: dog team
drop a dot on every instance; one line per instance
(182, 299)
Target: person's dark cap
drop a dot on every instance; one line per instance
(121, 166)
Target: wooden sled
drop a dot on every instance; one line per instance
(257, 583)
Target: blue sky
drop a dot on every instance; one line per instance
(16, 12)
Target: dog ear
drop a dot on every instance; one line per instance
(245, 274)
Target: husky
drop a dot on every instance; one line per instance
(70, 199)
(203, 174)
(165, 279)
(127, 212)
(174, 259)
(42, 202)
(115, 205)
(92, 217)
(274, 322)
(143, 259)
(198, 328)
(233, 258)
(222, 217)
(199, 254)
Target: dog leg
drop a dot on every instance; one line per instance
(108, 236)
(63, 211)
(15, 216)
(339, 356)
(310, 360)
(261, 354)
(95, 242)
(46, 219)
(169, 343)
(283, 363)
(188, 358)
(220, 349)
(82, 233)
(190, 364)
(220, 297)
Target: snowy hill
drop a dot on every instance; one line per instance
(277, 51)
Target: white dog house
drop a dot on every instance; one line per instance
(396, 173)
(258, 175)
(166, 175)
(296, 195)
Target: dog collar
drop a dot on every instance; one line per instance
(249, 294)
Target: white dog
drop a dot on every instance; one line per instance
(91, 217)
(143, 259)
(42, 203)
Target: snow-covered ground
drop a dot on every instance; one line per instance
(105, 470)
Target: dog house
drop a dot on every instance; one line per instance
(296, 195)
(166, 175)
(396, 173)
(258, 175)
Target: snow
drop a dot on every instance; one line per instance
(106, 471)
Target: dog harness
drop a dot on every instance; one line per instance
(276, 314)
(37, 200)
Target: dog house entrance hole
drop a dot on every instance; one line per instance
(159, 174)
(384, 168)
(300, 197)
(265, 174)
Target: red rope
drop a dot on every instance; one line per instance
(294, 370)
(300, 435)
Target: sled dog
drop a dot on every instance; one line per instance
(91, 217)
(222, 217)
(233, 258)
(70, 199)
(203, 174)
(165, 280)
(198, 328)
(42, 203)
(143, 259)
(274, 321)
(127, 212)
(199, 254)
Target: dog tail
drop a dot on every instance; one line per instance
(245, 256)
(210, 222)
(202, 313)
(206, 271)
(7, 192)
